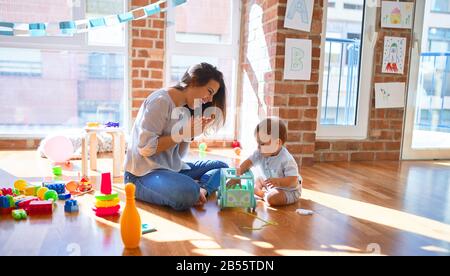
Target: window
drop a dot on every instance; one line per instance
(190, 40)
(440, 6)
(439, 40)
(352, 7)
(345, 83)
(56, 83)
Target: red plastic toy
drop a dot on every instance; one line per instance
(106, 186)
(7, 191)
(236, 144)
(106, 212)
(40, 207)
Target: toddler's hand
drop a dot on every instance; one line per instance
(233, 182)
(270, 183)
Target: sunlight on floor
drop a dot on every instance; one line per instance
(432, 248)
(284, 252)
(381, 215)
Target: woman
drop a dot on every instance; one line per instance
(154, 158)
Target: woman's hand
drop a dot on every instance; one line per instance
(198, 125)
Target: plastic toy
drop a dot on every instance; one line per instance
(85, 185)
(71, 206)
(106, 203)
(5, 211)
(112, 124)
(238, 196)
(202, 147)
(146, 228)
(236, 144)
(31, 190)
(57, 170)
(93, 124)
(57, 187)
(72, 186)
(103, 197)
(130, 221)
(19, 214)
(65, 196)
(106, 212)
(51, 195)
(5, 201)
(40, 208)
(7, 191)
(25, 203)
(41, 192)
(20, 185)
(106, 186)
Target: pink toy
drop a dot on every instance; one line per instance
(40, 207)
(106, 186)
(105, 212)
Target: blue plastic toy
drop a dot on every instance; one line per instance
(58, 187)
(71, 206)
(238, 196)
(64, 196)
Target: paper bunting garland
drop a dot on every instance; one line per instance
(69, 28)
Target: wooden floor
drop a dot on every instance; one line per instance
(387, 208)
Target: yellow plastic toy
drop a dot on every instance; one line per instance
(93, 124)
(41, 193)
(107, 203)
(20, 185)
(130, 221)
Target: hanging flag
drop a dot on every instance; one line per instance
(69, 28)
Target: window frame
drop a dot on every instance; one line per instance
(221, 51)
(79, 43)
(434, 10)
(360, 130)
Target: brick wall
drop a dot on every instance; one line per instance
(296, 101)
(385, 125)
(147, 43)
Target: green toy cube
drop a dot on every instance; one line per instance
(241, 196)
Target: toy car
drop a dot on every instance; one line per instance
(238, 196)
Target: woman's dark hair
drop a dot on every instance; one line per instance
(199, 75)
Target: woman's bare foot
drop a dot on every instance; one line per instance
(202, 198)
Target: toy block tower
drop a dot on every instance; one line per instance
(106, 202)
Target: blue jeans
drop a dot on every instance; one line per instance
(177, 190)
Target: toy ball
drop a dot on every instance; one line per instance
(237, 151)
(236, 144)
(58, 149)
(51, 194)
(72, 186)
(41, 193)
(20, 185)
(202, 147)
